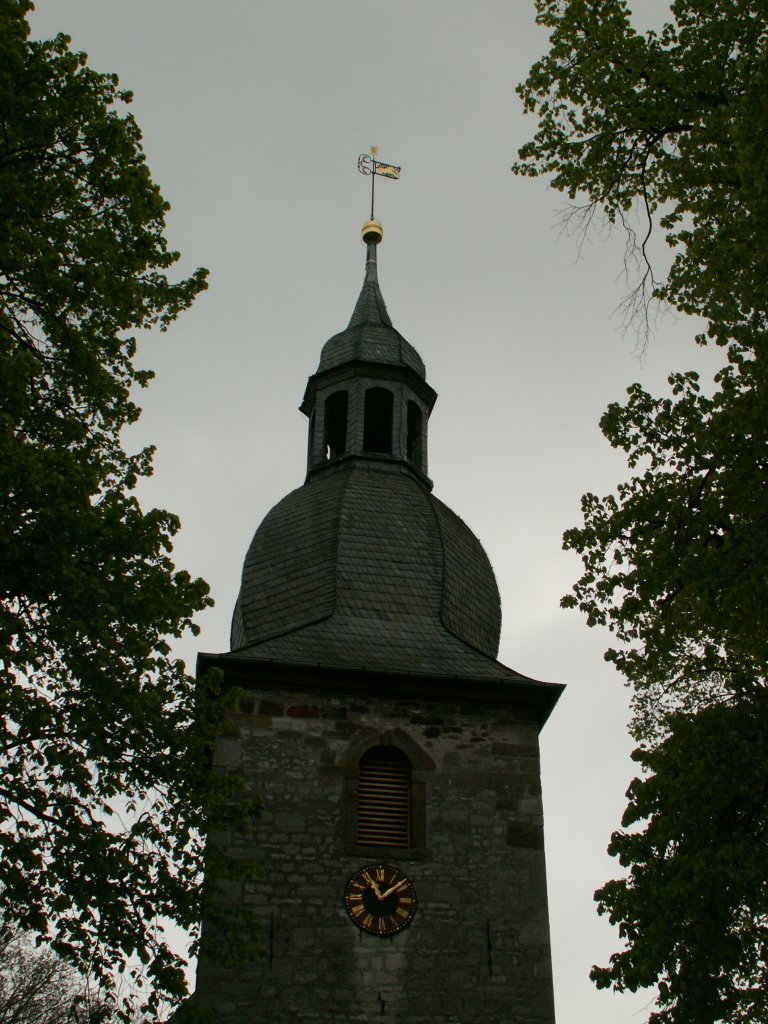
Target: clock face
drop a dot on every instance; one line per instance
(380, 899)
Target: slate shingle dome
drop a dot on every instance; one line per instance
(370, 335)
(362, 567)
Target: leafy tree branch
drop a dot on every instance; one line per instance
(105, 791)
(674, 560)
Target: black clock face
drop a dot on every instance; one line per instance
(380, 899)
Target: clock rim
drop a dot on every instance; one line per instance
(398, 871)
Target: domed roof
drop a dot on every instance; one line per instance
(364, 567)
(371, 343)
(370, 336)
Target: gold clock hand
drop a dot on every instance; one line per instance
(373, 884)
(392, 889)
(376, 889)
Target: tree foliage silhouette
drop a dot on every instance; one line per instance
(665, 131)
(104, 786)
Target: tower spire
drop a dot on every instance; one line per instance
(370, 307)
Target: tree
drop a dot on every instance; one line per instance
(694, 910)
(665, 131)
(37, 987)
(104, 788)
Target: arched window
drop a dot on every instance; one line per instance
(384, 798)
(414, 441)
(336, 408)
(377, 421)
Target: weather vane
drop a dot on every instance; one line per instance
(370, 165)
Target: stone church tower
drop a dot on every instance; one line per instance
(398, 760)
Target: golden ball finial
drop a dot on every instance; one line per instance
(372, 232)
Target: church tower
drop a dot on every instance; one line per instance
(398, 760)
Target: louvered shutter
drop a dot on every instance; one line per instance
(383, 799)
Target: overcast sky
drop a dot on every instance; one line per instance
(253, 115)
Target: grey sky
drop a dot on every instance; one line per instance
(253, 115)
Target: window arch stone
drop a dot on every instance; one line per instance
(394, 745)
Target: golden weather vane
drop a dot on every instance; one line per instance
(368, 164)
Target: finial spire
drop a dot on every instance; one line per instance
(370, 306)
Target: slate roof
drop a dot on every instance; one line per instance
(370, 336)
(364, 568)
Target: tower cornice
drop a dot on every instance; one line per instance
(533, 698)
(366, 368)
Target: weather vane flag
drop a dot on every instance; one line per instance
(368, 164)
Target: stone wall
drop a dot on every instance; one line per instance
(478, 947)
